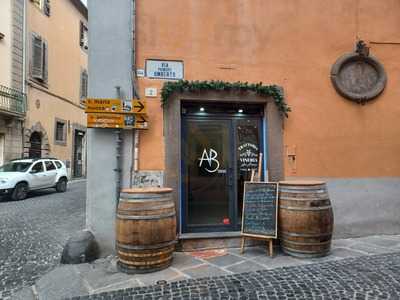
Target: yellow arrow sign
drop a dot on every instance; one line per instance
(139, 106)
(116, 106)
(114, 120)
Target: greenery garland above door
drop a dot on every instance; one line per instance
(182, 86)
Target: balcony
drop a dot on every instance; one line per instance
(12, 102)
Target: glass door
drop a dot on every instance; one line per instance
(248, 149)
(220, 148)
(208, 175)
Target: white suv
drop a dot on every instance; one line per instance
(20, 176)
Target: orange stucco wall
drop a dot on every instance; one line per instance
(292, 43)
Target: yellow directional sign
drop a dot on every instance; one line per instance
(103, 105)
(116, 106)
(141, 119)
(139, 106)
(115, 120)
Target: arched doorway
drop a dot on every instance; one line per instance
(36, 142)
(35, 150)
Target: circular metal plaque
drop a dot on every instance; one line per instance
(358, 78)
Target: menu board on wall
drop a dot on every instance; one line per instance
(260, 209)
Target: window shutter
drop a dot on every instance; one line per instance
(37, 57)
(46, 7)
(84, 85)
(81, 37)
(45, 61)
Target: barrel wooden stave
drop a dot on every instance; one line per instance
(305, 219)
(146, 230)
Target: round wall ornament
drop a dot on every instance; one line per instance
(358, 76)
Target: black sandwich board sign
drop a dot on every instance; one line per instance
(260, 211)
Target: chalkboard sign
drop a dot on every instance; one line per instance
(260, 209)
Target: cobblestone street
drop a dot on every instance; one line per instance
(33, 232)
(366, 277)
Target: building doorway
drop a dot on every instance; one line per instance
(221, 144)
(2, 144)
(78, 153)
(35, 149)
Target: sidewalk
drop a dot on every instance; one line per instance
(68, 281)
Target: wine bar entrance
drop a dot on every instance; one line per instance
(221, 145)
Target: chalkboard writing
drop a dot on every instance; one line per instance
(260, 203)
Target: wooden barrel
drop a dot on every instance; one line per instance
(305, 218)
(145, 230)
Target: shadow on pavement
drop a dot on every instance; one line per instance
(32, 194)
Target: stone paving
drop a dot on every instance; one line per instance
(33, 233)
(365, 277)
(194, 270)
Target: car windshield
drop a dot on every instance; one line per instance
(15, 167)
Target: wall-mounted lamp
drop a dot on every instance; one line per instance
(1, 36)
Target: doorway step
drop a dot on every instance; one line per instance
(212, 240)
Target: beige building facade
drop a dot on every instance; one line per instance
(12, 92)
(56, 82)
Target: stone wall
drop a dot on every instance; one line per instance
(12, 130)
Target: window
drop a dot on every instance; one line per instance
(58, 164)
(43, 5)
(84, 86)
(83, 36)
(60, 132)
(49, 165)
(38, 167)
(39, 59)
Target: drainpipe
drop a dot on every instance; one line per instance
(24, 46)
(118, 142)
(135, 153)
(24, 60)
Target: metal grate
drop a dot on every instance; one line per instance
(12, 100)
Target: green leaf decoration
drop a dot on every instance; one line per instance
(182, 86)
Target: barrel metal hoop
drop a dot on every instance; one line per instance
(146, 255)
(165, 206)
(311, 235)
(153, 262)
(150, 217)
(146, 247)
(302, 191)
(143, 198)
(306, 244)
(306, 208)
(303, 199)
(305, 251)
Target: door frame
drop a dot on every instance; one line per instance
(77, 127)
(2, 147)
(233, 192)
(78, 133)
(273, 134)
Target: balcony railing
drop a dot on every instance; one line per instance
(12, 101)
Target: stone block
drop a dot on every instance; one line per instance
(80, 248)
(204, 271)
(225, 260)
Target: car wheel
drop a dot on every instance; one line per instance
(61, 186)
(20, 192)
